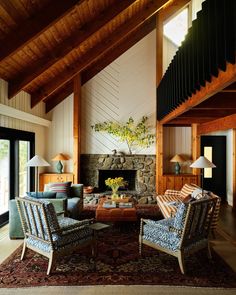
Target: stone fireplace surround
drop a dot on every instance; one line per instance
(143, 164)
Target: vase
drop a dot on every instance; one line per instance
(114, 194)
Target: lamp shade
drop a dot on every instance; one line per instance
(202, 162)
(177, 158)
(37, 161)
(60, 157)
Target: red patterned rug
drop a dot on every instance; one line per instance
(118, 263)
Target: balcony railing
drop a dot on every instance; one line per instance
(208, 46)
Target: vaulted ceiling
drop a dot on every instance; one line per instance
(45, 43)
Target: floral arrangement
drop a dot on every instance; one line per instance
(134, 134)
(115, 183)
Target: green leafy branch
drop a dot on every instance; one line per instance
(133, 134)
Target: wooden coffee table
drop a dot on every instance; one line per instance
(115, 214)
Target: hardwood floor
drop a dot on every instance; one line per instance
(227, 221)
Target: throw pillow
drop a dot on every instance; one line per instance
(42, 195)
(197, 194)
(186, 190)
(61, 188)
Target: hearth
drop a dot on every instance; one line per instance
(128, 175)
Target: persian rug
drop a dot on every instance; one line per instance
(118, 263)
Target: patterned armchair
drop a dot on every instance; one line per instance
(183, 234)
(49, 234)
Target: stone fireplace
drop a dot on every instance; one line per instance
(138, 169)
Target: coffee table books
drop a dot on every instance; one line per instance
(125, 205)
(109, 204)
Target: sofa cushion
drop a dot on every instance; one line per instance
(61, 188)
(187, 189)
(42, 195)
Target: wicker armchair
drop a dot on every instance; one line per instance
(182, 235)
(49, 234)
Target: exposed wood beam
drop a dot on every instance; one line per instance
(92, 54)
(217, 84)
(58, 96)
(225, 100)
(171, 8)
(122, 47)
(208, 113)
(66, 47)
(230, 88)
(77, 128)
(189, 121)
(225, 123)
(35, 25)
(101, 63)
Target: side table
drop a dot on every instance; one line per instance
(96, 227)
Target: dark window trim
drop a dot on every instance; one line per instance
(15, 135)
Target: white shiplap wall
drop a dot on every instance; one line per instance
(22, 102)
(125, 88)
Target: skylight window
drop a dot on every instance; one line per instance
(177, 27)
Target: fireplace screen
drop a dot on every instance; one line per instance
(128, 175)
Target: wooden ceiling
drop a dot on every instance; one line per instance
(48, 42)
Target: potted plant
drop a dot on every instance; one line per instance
(114, 184)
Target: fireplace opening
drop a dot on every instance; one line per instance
(128, 175)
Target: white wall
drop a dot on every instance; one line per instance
(169, 50)
(60, 134)
(22, 102)
(196, 6)
(229, 162)
(125, 88)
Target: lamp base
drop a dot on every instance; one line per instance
(59, 167)
(177, 168)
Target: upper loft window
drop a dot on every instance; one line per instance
(176, 28)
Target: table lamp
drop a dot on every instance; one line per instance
(36, 162)
(177, 159)
(201, 163)
(60, 157)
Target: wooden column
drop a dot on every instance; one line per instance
(159, 158)
(76, 128)
(195, 148)
(234, 169)
(159, 127)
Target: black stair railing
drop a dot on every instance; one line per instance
(208, 46)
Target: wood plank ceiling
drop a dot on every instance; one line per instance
(48, 42)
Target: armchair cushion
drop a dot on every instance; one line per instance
(76, 190)
(61, 188)
(187, 189)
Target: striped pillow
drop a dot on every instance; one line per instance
(61, 188)
(186, 190)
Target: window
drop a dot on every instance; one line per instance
(16, 148)
(176, 28)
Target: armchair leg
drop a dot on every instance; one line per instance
(50, 263)
(23, 251)
(181, 262)
(140, 245)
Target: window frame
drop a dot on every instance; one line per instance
(14, 136)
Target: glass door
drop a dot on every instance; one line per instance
(4, 176)
(16, 148)
(24, 155)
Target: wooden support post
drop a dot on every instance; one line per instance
(159, 127)
(195, 148)
(159, 158)
(234, 169)
(76, 128)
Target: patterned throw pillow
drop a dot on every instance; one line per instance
(42, 195)
(187, 189)
(197, 194)
(61, 188)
